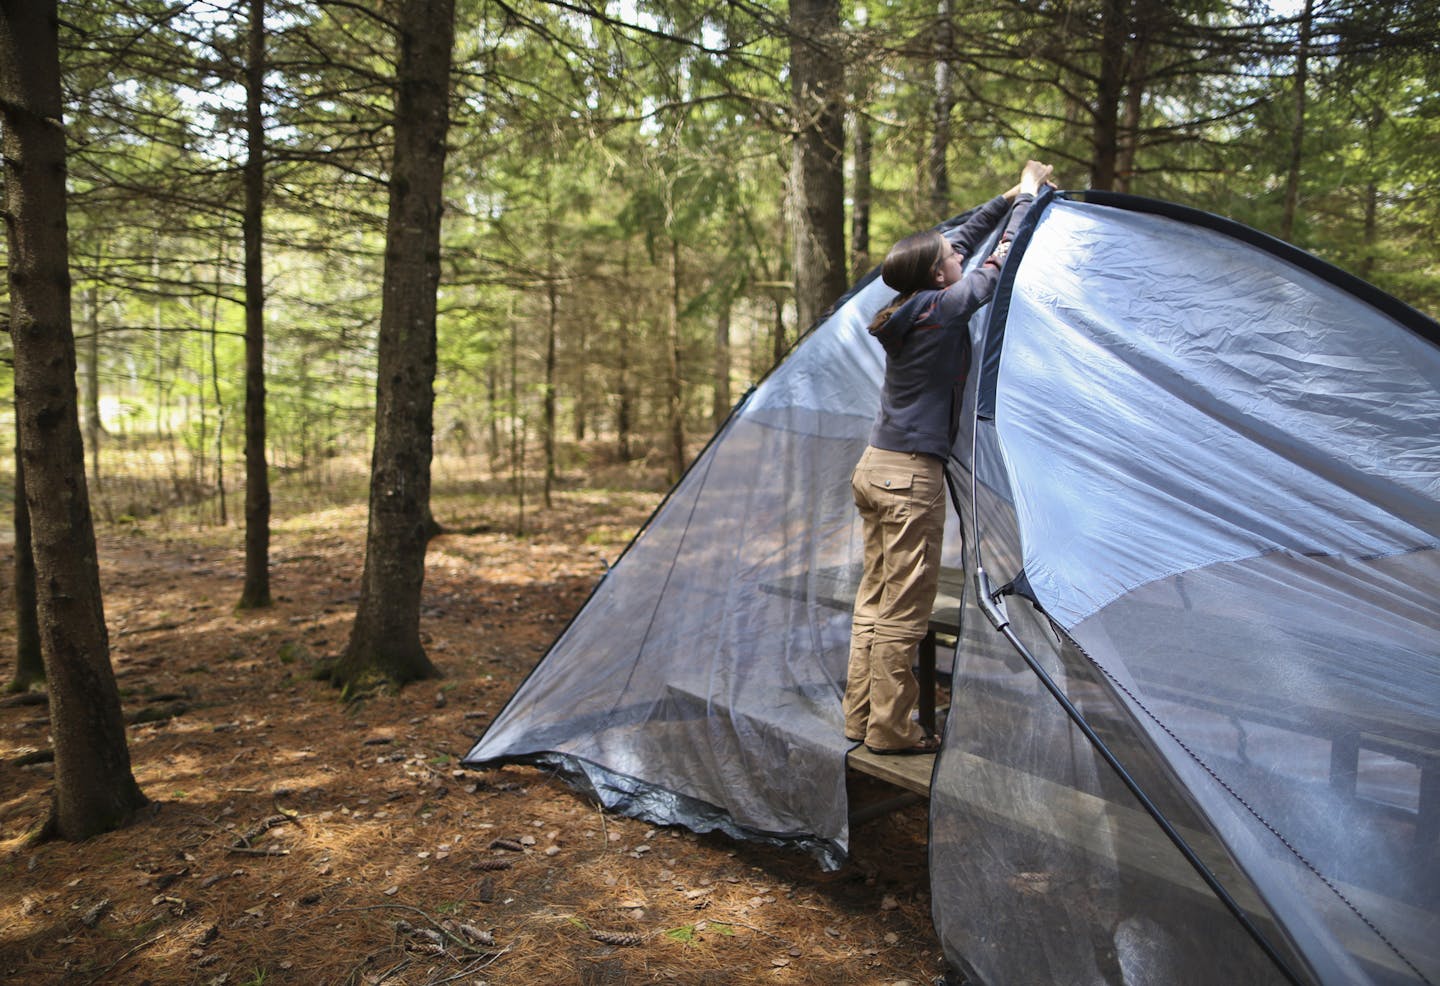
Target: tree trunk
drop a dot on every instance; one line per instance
(94, 788)
(385, 640)
(256, 591)
(675, 390)
(1297, 131)
(1137, 77)
(777, 337)
(224, 517)
(492, 402)
(29, 663)
(517, 436)
(860, 262)
(1109, 86)
(720, 408)
(94, 428)
(624, 398)
(552, 317)
(942, 104)
(817, 181)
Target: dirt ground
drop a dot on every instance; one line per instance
(294, 839)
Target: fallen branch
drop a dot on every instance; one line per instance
(474, 967)
(105, 971)
(242, 843)
(34, 757)
(157, 713)
(152, 628)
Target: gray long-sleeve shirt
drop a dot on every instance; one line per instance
(927, 345)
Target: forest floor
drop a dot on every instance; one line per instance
(292, 838)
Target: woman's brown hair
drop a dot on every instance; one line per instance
(909, 267)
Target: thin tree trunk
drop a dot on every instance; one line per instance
(817, 182)
(492, 402)
(94, 429)
(675, 392)
(942, 104)
(162, 389)
(777, 337)
(1108, 92)
(199, 463)
(385, 641)
(720, 409)
(256, 591)
(517, 432)
(860, 262)
(552, 317)
(224, 517)
(1137, 78)
(95, 790)
(624, 398)
(1297, 130)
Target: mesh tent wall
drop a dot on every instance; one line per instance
(701, 682)
(1206, 748)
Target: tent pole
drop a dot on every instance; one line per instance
(994, 607)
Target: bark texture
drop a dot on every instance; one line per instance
(256, 591)
(385, 641)
(943, 103)
(817, 181)
(860, 262)
(1109, 89)
(29, 663)
(1297, 128)
(94, 788)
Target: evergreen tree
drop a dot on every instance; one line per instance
(385, 637)
(94, 788)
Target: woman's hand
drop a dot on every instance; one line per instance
(1033, 177)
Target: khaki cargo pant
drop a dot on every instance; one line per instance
(901, 497)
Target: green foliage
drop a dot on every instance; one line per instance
(608, 170)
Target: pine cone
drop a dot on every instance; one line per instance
(620, 938)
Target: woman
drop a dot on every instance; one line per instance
(899, 483)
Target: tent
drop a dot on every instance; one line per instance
(1194, 732)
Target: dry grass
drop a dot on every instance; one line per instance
(296, 840)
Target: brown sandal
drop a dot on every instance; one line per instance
(927, 744)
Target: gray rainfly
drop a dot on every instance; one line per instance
(1194, 733)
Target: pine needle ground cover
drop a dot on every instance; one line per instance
(295, 839)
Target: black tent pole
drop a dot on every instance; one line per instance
(993, 605)
(994, 608)
(995, 611)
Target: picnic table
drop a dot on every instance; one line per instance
(1350, 726)
(835, 588)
